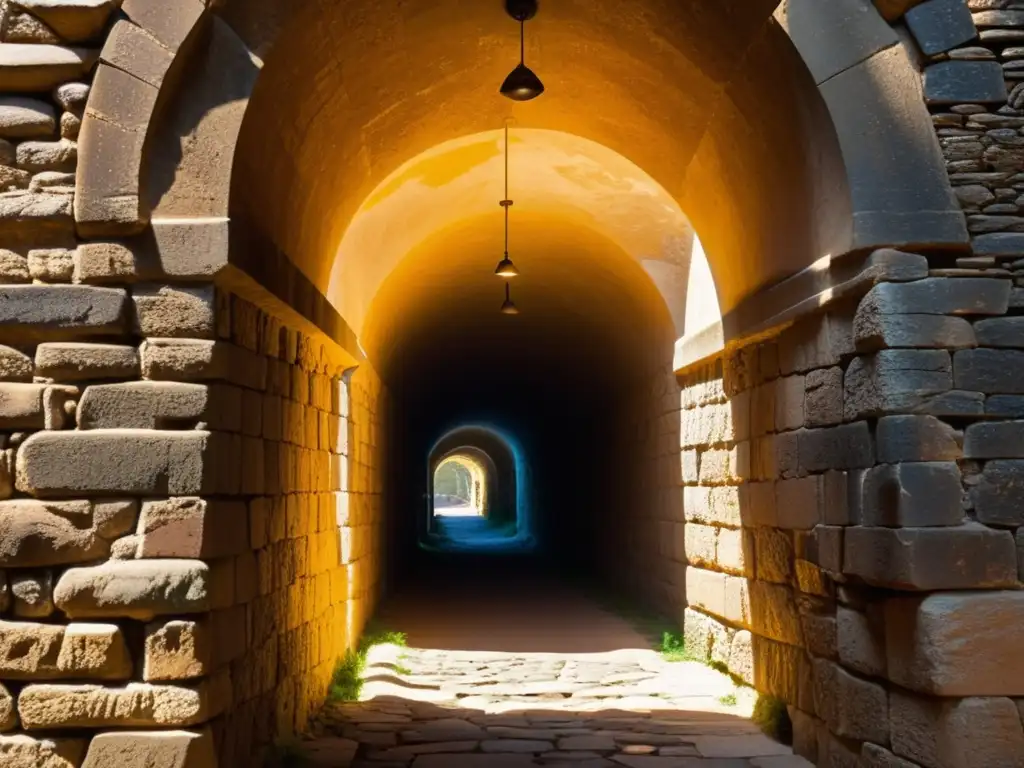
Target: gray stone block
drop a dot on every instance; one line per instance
(860, 639)
(939, 25)
(1001, 332)
(956, 402)
(919, 494)
(823, 397)
(964, 82)
(1008, 406)
(874, 756)
(798, 502)
(847, 446)
(992, 371)
(994, 440)
(873, 331)
(999, 244)
(895, 381)
(849, 705)
(956, 644)
(939, 296)
(968, 556)
(998, 496)
(916, 438)
(46, 311)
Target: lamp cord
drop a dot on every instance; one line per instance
(522, 42)
(506, 203)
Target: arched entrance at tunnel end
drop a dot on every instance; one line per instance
(806, 474)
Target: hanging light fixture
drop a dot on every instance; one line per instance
(508, 307)
(505, 267)
(522, 84)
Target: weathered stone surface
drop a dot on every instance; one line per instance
(940, 25)
(963, 557)
(874, 756)
(193, 527)
(69, 361)
(74, 20)
(26, 406)
(50, 265)
(860, 640)
(8, 712)
(998, 244)
(1001, 332)
(23, 751)
(174, 311)
(32, 594)
(798, 502)
(27, 67)
(851, 706)
(994, 440)
(36, 533)
(993, 371)
(116, 462)
(997, 497)
(38, 311)
(149, 749)
(847, 446)
(955, 644)
(966, 733)
(823, 397)
(23, 117)
(774, 555)
(139, 589)
(960, 82)
(1006, 406)
(13, 266)
(938, 296)
(25, 216)
(916, 438)
(912, 494)
(30, 651)
(873, 331)
(39, 156)
(14, 365)
(51, 706)
(773, 613)
(178, 650)
(154, 405)
(199, 360)
(893, 381)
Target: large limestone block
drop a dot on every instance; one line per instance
(964, 733)
(24, 117)
(148, 749)
(14, 365)
(69, 361)
(22, 751)
(956, 644)
(23, 406)
(193, 528)
(139, 589)
(896, 380)
(853, 707)
(156, 405)
(202, 360)
(39, 311)
(8, 712)
(26, 67)
(912, 494)
(174, 311)
(52, 706)
(117, 461)
(31, 651)
(74, 20)
(36, 533)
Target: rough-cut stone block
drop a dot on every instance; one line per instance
(938, 296)
(27, 67)
(74, 20)
(964, 82)
(39, 156)
(138, 589)
(193, 527)
(956, 644)
(15, 365)
(8, 712)
(894, 381)
(916, 438)
(823, 397)
(68, 361)
(36, 533)
(199, 360)
(992, 371)
(874, 331)
(174, 311)
(774, 555)
(22, 117)
(994, 440)
(798, 502)
(154, 405)
(997, 497)
(149, 749)
(54, 706)
(118, 462)
(939, 25)
(178, 650)
(849, 705)
(789, 403)
(998, 244)
(41, 311)
(24, 406)
(32, 594)
(22, 751)
(847, 446)
(969, 556)
(912, 495)
(774, 614)
(30, 651)
(860, 640)
(1001, 332)
(965, 733)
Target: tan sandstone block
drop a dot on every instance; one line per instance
(68, 361)
(8, 712)
(30, 651)
(46, 705)
(116, 461)
(74, 20)
(39, 533)
(167, 311)
(147, 749)
(193, 527)
(14, 365)
(140, 589)
(177, 650)
(23, 751)
(32, 594)
(24, 406)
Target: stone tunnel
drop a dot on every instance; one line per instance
(766, 378)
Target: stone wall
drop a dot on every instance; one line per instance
(853, 522)
(191, 518)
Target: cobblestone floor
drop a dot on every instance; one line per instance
(490, 707)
